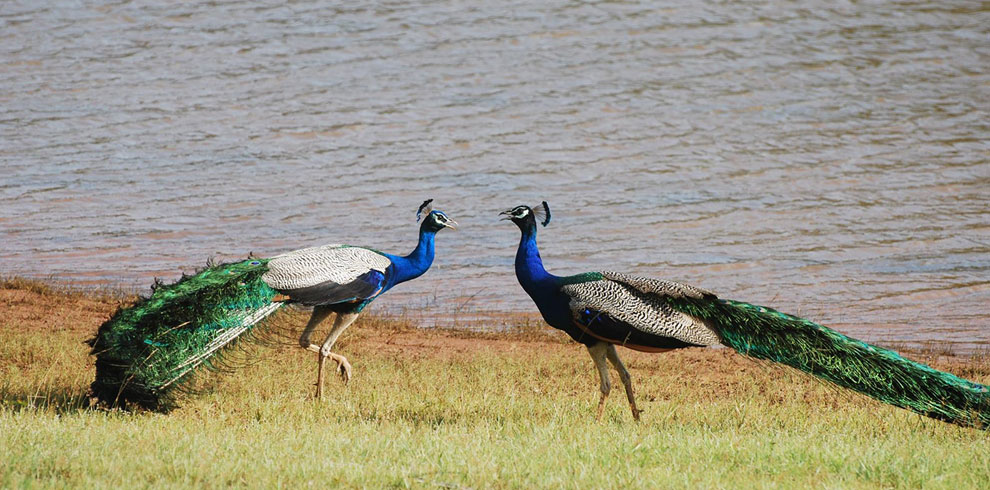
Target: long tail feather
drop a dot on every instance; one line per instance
(146, 351)
(765, 333)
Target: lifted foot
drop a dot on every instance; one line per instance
(343, 367)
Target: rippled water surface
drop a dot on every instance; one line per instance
(827, 158)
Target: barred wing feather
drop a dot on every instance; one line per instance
(634, 311)
(328, 274)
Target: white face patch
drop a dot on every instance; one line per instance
(520, 212)
(443, 220)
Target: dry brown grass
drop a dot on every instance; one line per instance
(456, 408)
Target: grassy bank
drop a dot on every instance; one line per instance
(456, 409)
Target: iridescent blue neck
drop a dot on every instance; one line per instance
(416, 263)
(529, 265)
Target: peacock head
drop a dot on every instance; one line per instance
(435, 220)
(526, 217)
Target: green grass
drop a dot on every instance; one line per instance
(430, 409)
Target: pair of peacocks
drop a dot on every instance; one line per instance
(147, 349)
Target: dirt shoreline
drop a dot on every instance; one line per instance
(37, 307)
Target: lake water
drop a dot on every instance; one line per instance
(828, 158)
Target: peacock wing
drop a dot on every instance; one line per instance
(636, 312)
(328, 274)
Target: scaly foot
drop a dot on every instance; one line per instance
(343, 367)
(636, 412)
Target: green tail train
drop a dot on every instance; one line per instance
(882, 374)
(145, 352)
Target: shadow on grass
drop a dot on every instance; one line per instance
(431, 417)
(59, 401)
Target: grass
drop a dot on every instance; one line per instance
(453, 409)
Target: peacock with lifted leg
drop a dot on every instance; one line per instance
(604, 309)
(145, 351)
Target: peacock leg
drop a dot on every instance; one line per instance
(340, 324)
(598, 352)
(345, 368)
(320, 313)
(320, 360)
(626, 379)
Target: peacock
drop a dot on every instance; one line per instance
(604, 309)
(147, 350)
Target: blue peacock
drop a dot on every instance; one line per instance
(604, 309)
(146, 351)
